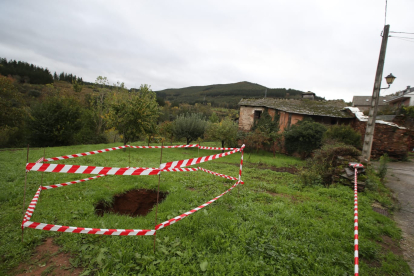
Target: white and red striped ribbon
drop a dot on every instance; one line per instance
(241, 162)
(214, 148)
(32, 206)
(180, 217)
(356, 257)
(81, 230)
(83, 154)
(71, 182)
(180, 170)
(217, 174)
(164, 147)
(193, 161)
(60, 168)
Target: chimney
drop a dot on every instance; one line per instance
(308, 95)
(407, 90)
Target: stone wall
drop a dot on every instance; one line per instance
(387, 139)
(409, 124)
(246, 117)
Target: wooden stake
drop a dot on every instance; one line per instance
(129, 158)
(158, 194)
(24, 195)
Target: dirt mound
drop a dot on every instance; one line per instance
(132, 203)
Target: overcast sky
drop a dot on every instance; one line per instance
(329, 47)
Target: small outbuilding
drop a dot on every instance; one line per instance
(291, 111)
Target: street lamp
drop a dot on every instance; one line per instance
(390, 79)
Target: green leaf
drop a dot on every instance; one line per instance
(203, 265)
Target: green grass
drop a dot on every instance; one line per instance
(272, 225)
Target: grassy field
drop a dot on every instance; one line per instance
(272, 225)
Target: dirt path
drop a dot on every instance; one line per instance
(400, 179)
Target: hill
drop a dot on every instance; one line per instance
(225, 95)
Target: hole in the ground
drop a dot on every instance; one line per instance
(132, 203)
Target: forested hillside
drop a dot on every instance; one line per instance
(225, 95)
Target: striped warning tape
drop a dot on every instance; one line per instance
(356, 257)
(218, 174)
(164, 147)
(179, 170)
(83, 154)
(32, 206)
(241, 162)
(71, 182)
(214, 148)
(180, 217)
(193, 161)
(60, 168)
(81, 230)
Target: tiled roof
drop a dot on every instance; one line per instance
(366, 100)
(305, 107)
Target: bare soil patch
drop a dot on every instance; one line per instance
(291, 197)
(133, 203)
(47, 260)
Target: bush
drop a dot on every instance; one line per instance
(55, 122)
(344, 134)
(304, 137)
(324, 167)
(382, 170)
(408, 111)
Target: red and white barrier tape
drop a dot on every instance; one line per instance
(60, 168)
(81, 230)
(356, 257)
(180, 217)
(71, 182)
(180, 170)
(214, 148)
(40, 160)
(83, 154)
(241, 162)
(164, 147)
(193, 161)
(217, 174)
(32, 206)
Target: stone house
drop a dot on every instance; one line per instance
(388, 137)
(291, 111)
(403, 98)
(364, 102)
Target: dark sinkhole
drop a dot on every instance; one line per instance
(132, 203)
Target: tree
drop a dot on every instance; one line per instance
(225, 131)
(345, 134)
(304, 137)
(189, 126)
(55, 121)
(166, 129)
(77, 85)
(12, 113)
(133, 113)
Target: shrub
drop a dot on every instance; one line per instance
(324, 167)
(304, 137)
(344, 134)
(408, 111)
(382, 170)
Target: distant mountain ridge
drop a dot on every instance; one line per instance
(225, 95)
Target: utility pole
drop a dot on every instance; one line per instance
(369, 132)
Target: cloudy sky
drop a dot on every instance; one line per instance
(330, 47)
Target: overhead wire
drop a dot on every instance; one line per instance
(401, 32)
